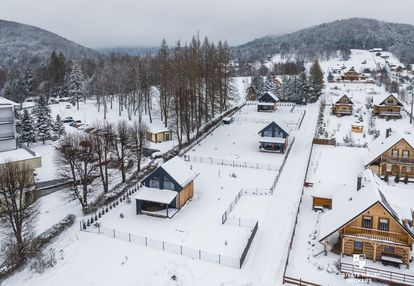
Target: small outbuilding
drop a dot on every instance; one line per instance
(267, 102)
(158, 134)
(228, 120)
(166, 190)
(273, 138)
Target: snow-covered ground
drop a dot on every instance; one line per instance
(87, 259)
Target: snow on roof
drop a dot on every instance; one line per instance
(155, 128)
(343, 103)
(271, 94)
(156, 195)
(279, 140)
(347, 205)
(380, 145)
(265, 103)
(327, 190)
(377, 100)
(227, 119)
(16, 155)
(5, 101)
(280, 124)
(179, 171)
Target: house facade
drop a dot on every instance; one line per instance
(387, 107)
(393, 156)
(365, 221)
(7, 125)
(343, 106)
(351, 75)
(267, 102)
(166, 190)
(273, 138)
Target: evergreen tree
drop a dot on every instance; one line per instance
(76, 85)
(58, 127)
(316, 81)
(27, 131)
(330, 77)
(43, 122)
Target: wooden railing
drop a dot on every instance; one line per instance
(376, 234)
(390, 159)
(377, 274)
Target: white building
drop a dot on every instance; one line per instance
(7, 125)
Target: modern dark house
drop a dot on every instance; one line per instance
(273, 138)
(267, 102)
(166, 190)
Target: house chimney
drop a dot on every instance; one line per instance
(388, 132)
(359, 182)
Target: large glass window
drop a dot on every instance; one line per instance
(358, 246)
(154, 183)
(168, 185)
(395, 152)
(268, 133)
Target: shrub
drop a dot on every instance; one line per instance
(406, 179)
(43, 261)
(397, 179)
(386, 177)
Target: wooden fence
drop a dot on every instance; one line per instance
(299, 282)
(323, 141)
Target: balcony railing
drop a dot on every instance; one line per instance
(397, 159)
(375, 234)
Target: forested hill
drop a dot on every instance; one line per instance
(21, 43)
(326, 39)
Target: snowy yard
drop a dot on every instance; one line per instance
(307, 260)
(238, 141)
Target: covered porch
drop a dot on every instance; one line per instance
(272, 144)
(266, 106)
(155, 202)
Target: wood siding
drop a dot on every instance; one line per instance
(184, 195)
(322, 202)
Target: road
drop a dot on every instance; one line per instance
(268, 254)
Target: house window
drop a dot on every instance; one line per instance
(389, 249)
(367, 222)
(389, 167)
(268, 133)
(395, 152)
(154, 183)
(358, 246)
(383, 224)
(168, 185)
(405, 153)
(409, 169)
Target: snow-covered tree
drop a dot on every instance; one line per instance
(58, 127)
(76, 85)
(43, 122)
(27, 131)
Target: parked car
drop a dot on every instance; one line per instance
(68, 119)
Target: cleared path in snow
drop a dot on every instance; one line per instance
(269, 251)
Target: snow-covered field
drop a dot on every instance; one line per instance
(89, 259)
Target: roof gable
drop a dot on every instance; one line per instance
(269, 96)
(381, 100)
(276, 126)
(341, 100)
(179, 171)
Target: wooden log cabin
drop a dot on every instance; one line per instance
(351, 75)
(158, 134)
(343, 106)
(267, 102)
(365, 221)
(166, 190)
(273, 138)
(392, 156)
(387, 106)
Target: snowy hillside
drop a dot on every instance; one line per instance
(19, 43)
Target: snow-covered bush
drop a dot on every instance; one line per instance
(43, 261)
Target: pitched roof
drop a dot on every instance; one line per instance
(379, 100)
(179, 171)
(381, 145)
(5, 101)
(348, 205)
(339, 100)
(271, 94)
(280, 126)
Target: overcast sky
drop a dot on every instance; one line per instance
(109, 23)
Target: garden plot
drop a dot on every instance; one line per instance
(360, 94)
(238, 141)
(193, 226)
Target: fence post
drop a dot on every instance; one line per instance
(181, 249)
(129, 237)
(199, 254)
(163, 245)
(146, 241)
(99, 228)
(113, 230)
(80, 225)
(219, 259)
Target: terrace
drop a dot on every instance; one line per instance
(374, 234)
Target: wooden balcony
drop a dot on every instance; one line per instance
(397, 160)
(374, 234)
